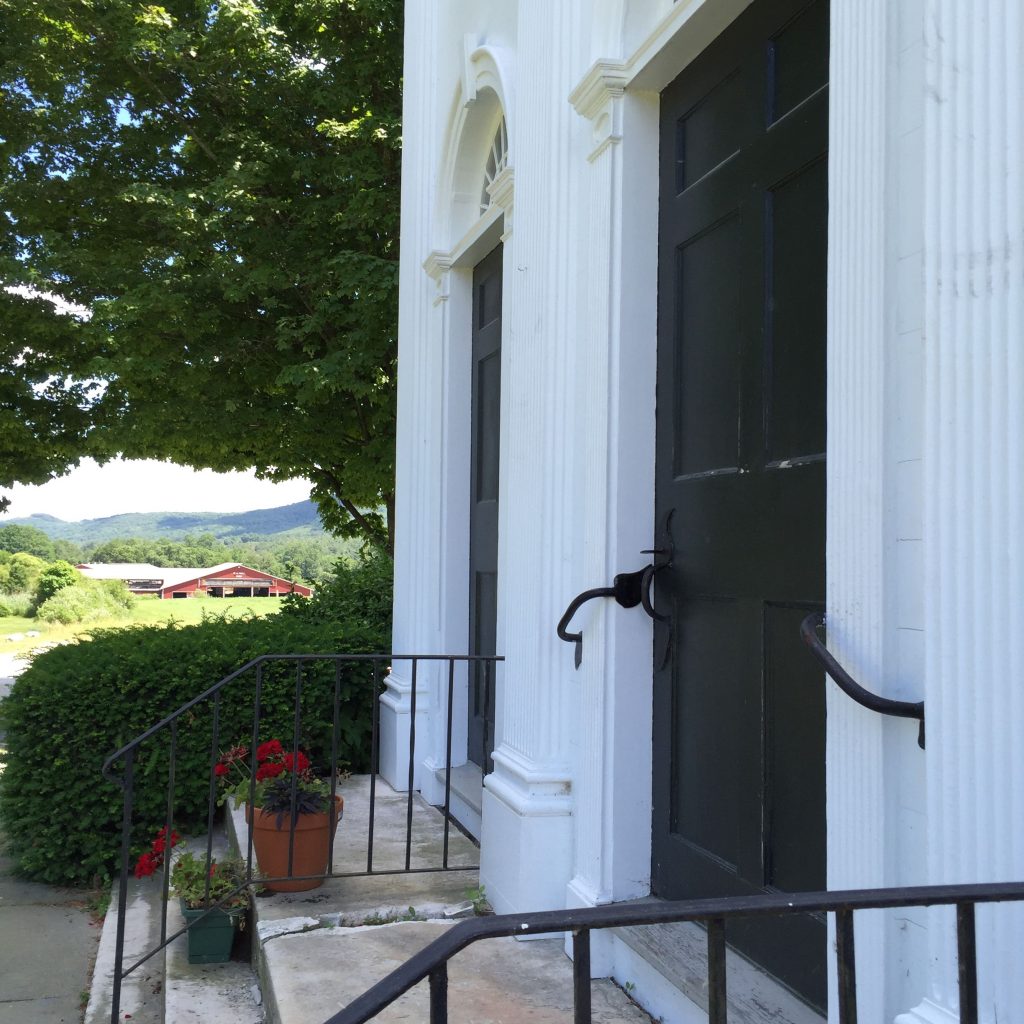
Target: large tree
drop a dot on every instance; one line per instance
(216, 183)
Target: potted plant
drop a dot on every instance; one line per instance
(212, 919)
(290, 812)
(211, 894)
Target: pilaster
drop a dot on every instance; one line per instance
(419, 449)
(855, 593)
(527, 804)
(615, 389)
(974, 483)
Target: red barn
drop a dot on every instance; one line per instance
(229, 579)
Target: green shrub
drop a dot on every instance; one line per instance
(54, 577)
(357, 592)
(78, 703)
(87, 601)
(22, 572)
(117, 593)
(16, 604)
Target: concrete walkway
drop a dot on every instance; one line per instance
(47, 945)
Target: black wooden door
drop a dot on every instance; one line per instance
(739, 794)
(483, 516)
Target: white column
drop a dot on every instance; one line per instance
(615, 389)
(857, 325)
(526, 843)
(974, 485)
(418, 457)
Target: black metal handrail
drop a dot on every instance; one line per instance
(432, 961)
(872, 701)
(376, 667)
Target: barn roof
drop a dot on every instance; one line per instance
(169, 576)
(121, 570)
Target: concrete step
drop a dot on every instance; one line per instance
(318, 950)
(207, 993)
(500, 981)
(167, 988)
(142, 991)
(467, 794)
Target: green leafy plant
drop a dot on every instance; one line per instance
(189, 876)
(198, 882)
(55, 577)
(478, 897)
(87, 601)
(16, 604)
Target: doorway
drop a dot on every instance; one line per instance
(739, 709)
(483, 514)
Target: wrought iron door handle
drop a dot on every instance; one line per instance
(628, 589)
(872, 701)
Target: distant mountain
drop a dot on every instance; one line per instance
(299, 520)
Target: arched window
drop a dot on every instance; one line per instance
(497, 161)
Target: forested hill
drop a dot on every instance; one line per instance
(298, 521)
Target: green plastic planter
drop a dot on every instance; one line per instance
(210, 939)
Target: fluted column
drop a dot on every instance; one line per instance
(527, 838)
(418, 455)
(857, 323)
(974, 483)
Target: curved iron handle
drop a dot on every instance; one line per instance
(574, 605)
(646, 582)
(872, 701)
(628, 588)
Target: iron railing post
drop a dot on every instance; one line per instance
(967, 966)
(374, 762)
(127, 784)
(448, 765)
(717, 1005)
(439, 994)
(412, 763)
(846, 961)
(581, 976)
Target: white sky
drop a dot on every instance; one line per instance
(92, 492)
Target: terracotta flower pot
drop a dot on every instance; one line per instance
(312, 844)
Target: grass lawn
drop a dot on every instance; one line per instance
(147, 610)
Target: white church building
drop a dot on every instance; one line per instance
(734, 289)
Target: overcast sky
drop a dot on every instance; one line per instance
(92, 492)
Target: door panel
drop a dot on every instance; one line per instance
(483, 516)
(739, 797)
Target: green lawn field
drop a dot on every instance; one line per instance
(147, 610)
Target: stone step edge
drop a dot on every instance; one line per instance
(142, 991)
(166, 977)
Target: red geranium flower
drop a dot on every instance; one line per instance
(267, 750)
(146, 866)
(269, 770)
(221, 769)
(289, 762)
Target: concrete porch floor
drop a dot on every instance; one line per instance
(315, 951)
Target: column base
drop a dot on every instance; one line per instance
(526, 838)
(928, 1013)
(395, 723)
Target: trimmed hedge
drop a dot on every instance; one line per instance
(77, 704)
